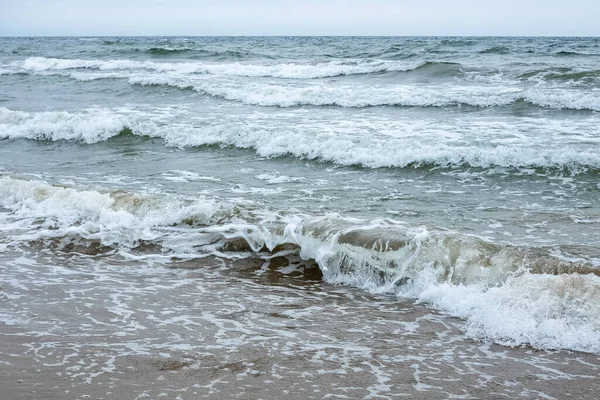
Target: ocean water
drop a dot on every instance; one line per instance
(455, 177)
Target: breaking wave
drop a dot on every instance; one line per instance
(281, 70)
(397, 95)
(546, 297)
(225, 81)
(274, 94)
(371, 151)
(561, 74)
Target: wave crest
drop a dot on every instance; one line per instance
(224, 81)
(370, 151)
(280, 70)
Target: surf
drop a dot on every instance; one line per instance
(545, 297)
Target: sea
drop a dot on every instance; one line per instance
(300, 195)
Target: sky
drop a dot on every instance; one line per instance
(295, 17)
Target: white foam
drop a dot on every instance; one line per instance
(224, 82)
(544, 311)
(111, 218)
(377, 152)
(372, 95)
(89, 127)
(564, 99)
(187, 176)
(487, 285)
(344, 95)
(281, 70)
(278, 179)
(520, 142)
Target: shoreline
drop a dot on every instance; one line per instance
(467, 370)
(220, 329)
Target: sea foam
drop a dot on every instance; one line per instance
(346, 142)
(360, 96)
(226, 81)
(95, 126)
(280, 70)
(511, 295)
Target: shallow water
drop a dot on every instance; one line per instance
(115, 328)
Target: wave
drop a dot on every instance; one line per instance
(360, 96)
(458, 42)
(561, 74)
(195, 76)
(372, 151)
(228, 55)
(166, 51)
(282, 70)
(130, 46)
(307, 142)
(574, 76)
(93, 127)
(496, 50)
(394, 53)
(356, 95)
(546, 297)
(571, 54)
(439, 68)
(114, 218)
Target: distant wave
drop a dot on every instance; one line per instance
(457, 42)
(545, 297)
(195, 76)
(354, 96)
(575, 76)
(126, 48)
(167, 50)
(285, 70)
(370, 152)
(496, 50)
(228, 55)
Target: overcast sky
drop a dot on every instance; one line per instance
(295, 17)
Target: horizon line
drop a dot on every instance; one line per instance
(306, 36)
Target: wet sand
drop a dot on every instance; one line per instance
(108, 329)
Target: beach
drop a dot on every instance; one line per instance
(186, 333)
